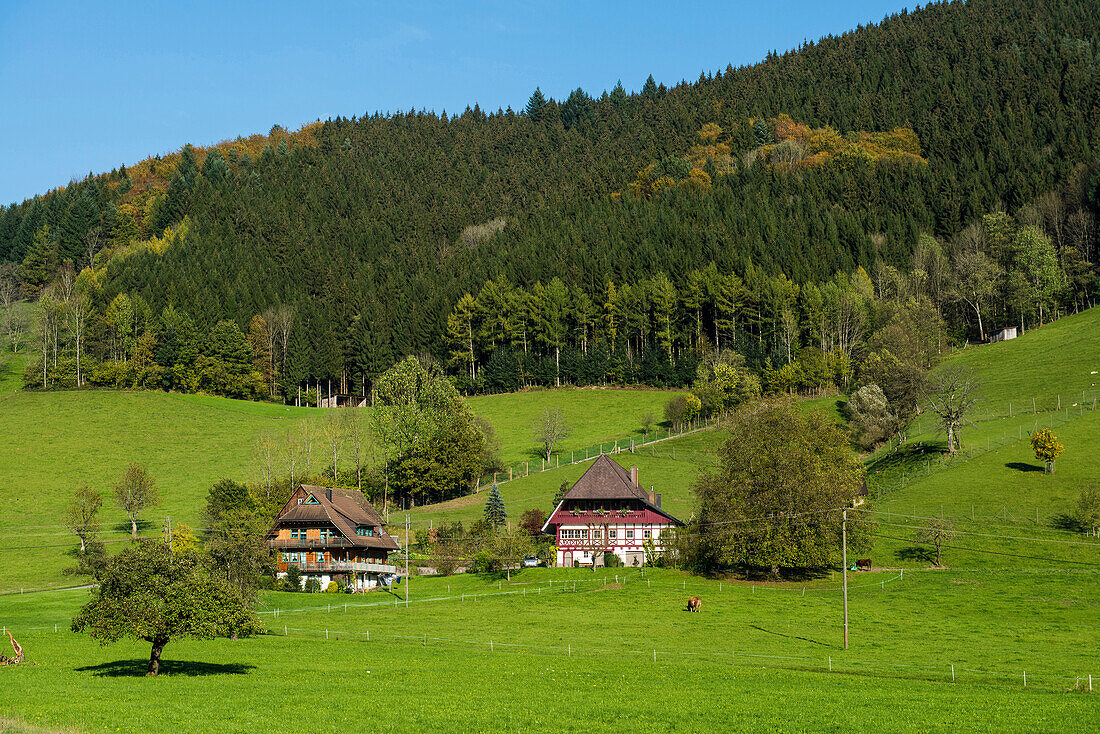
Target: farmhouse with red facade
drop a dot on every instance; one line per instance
(607, 511)
(332, 535)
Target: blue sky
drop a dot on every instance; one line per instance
(90, 86)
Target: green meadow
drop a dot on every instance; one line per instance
(574, 650)
(54, 441)
(594, 415)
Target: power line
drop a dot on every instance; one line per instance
(1008, 537)
(993, 552)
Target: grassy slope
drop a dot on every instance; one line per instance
(60, 439)
(895, 677)
(594, 416)
(63, 439)
(670, 467)
(1001, 490)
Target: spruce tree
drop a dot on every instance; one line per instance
(39, 261)
(535, 105)
(495, 514)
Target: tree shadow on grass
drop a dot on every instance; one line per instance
(144, 526)
(138, 668)
(905, 457)
(916, 553)
(1063, 521)
(1022, 466)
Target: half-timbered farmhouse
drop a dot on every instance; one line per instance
(607, 511)
(332, 535)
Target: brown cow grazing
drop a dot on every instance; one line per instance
(695, 604)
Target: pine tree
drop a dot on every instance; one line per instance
(495, 514)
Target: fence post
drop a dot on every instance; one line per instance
(952, 672)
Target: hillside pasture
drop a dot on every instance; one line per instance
(594, 415)
(59, 440)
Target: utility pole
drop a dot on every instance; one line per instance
(407, 564)
(844, 556)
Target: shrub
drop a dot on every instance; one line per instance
(610, 560)
(1087, 512)
(333, 587)
(873, 423)
(293, 579)
(313, 585)
(485, 562)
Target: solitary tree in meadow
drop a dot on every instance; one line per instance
(937, 533)
(776, 497)
(951, 397)
(149, 593)
(82, 514)
(1047, 447)
(550, 429)
(134, 492)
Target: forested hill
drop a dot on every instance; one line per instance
(819, 161)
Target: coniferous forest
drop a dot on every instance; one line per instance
(938, 167)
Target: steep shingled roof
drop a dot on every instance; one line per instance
(606, 480)
(344, 508)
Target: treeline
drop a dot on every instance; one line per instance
(370, 230)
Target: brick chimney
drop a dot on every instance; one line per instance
(652, 496)
(634, 476)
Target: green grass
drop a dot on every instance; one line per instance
(11, 374)
(61, 439)
(594, 415)
(670, 467)
(583, 660)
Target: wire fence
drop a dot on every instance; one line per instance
(579, 456)
(1050, 412)
(836, 661)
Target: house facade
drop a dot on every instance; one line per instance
(607, 511)
(332, 535)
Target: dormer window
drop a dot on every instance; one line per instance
(311, 500)
(364, 530)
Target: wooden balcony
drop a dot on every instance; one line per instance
(346, 566)
(310, 543)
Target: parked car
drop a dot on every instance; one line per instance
(530, 561)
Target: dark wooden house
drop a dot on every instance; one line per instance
(332, 535)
